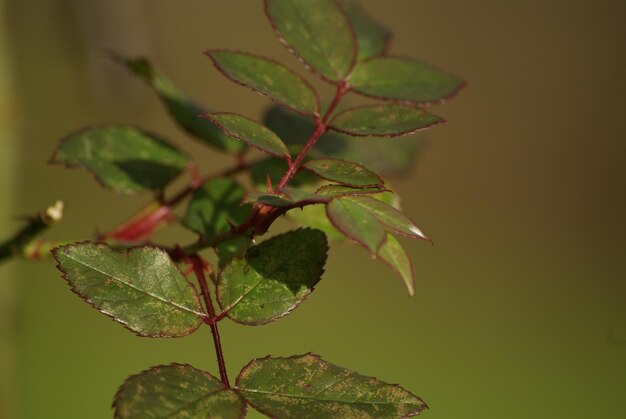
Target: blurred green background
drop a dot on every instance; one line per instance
(521, 304)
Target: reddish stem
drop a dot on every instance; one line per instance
(199, 267)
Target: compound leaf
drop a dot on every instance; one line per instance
(383, 120)
(125, 159)
(141, 288)
(287, 197)
(267, 77)
(357, 223)
(306, 386)
(176, 391)
(273, 278)
(318, 32)
(245, 129)
(344, 172)
(214, 206)
(186, 112)
(396, 258)
(403, 79)
(374, 39)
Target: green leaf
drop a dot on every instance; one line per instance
(314, 216)
(306, 386)
(273, 278)
(391, 217)
(245, 129)
(396, 258)
(374, 39)
(383, 120)
(125, 159)
(344, 172)
(268, 78)
(403, 79)
(141, 288)
(336, 191)
(390, 157)
(177, 391)
(357, 223)
(234, 247)
(275, 168)
(183, 110)
(214, 205)
(318, 32)
(286, 197)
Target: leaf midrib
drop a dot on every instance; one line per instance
(135, 288)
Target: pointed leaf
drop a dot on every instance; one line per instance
(215, 206)
(267, 77)
(344, 172)
(275, 168)
(249, 131)
(122, 158)
(357, 223)
(336, 191)
(389, 216)
(404, 79)
(394, 255)
(318, 32)
(374, 39)
(306, 386)
(176, 391)
(273, 278)
(183, 110)
(391, 157)
(141, 288)
(383, 120)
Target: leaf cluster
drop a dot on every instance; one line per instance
(316, 168)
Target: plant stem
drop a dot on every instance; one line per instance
(198, 266)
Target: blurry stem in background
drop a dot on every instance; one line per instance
(21, 244)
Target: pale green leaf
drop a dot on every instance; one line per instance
(344, 172)
(216, 206)
(383, 120)
(403, 79)
(357, 223)
(245, 129)
(268, 78)
(140, 288)
(394, 255)
(307, 387)
(186, 112)
(318, 32)
(273, 278)
(125, 159)
(177, 391)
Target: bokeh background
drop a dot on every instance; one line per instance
(520, 309)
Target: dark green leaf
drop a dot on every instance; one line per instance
(245, 129)
(389, 216)
(342, 190)
(214, 205)
(357, 223)
(389, 157)
(374, 39)
(141, 288)
(234, 247)
(403, 79)
(394, 255)
(306, 386)
(383, 120)
(344, 172)
(122, 158)
(176, 391)
(273, 278)
(183, 110)
(318, 32)
(268, 78)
